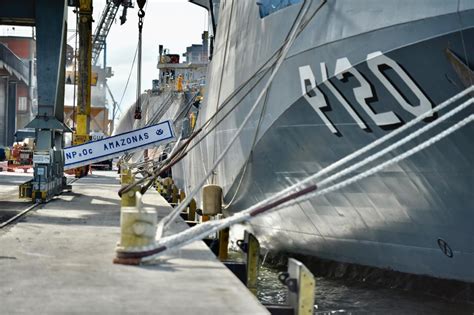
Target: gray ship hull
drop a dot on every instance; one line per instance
(345, 83)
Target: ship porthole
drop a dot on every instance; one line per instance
(443, 245)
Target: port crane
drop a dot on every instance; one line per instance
(89, 51)
(105, 23)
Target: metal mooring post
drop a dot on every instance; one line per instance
(301, 298)
(301, 288)
(251, 248)
(192, 210)
(126, 178)
(253, 258)
(223, 244)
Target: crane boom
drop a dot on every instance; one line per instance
(105, 23)
(103, 28)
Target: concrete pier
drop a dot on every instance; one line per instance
(58, 259)
(10, 204)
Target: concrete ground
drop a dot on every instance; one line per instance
(59, 260)
(10, 204)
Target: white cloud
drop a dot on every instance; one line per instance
(175, 24)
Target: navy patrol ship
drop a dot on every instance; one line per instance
(356, 71)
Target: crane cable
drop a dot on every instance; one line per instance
(141, 15)
(259, 75)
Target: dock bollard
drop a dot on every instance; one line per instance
(137, 225)
(137, 228)
(224, 244)
(126, 178)
(211, 200)
(167, 185)
(301, 287)
(192, 210)
(182, 195)
(174, 195)
(253, 257)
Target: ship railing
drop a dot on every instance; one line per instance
(187, 86)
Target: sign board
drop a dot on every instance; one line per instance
(108, 148)
(73, 79)
(40, 171)
(41, 159)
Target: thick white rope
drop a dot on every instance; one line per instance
(381, 140)
(196, 230)
(176, 211)
(204, 229)
(243, 215)
(388, 163)
(390, 135)
(395, 145)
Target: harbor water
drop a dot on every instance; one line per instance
(335, 296)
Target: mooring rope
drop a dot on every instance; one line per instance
(179, 240)
(207, 228)
(385, 138)
(166, 221)
(262, 71)
(390, 162)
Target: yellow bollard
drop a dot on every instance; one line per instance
(223, 244)
(192, 210)
(192, 120)
(174, 195)
(167, 185)
(182, 195)
(126, 178)
(179, 84)
(253, 257)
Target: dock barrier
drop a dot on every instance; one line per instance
(138, 229)
(251, 250)
(301, 288)
(25, 190)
